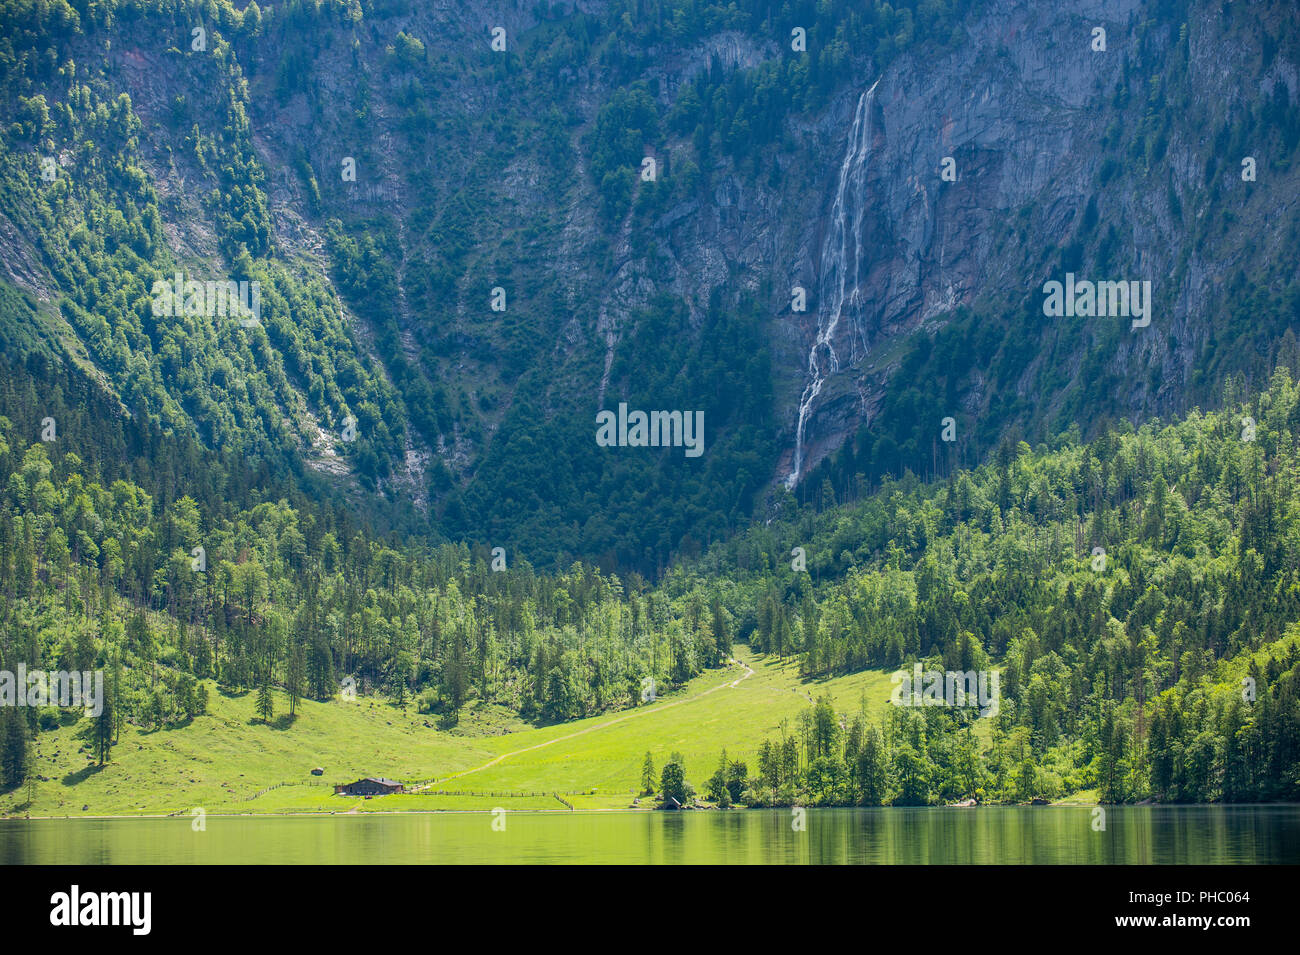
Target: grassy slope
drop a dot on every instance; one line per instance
(223, 758)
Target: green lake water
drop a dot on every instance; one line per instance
(1204, 835)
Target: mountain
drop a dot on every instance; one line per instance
(1124, 614)
(391, 177)
(508, 367)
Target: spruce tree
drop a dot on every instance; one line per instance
(265, 702)
(13, 749)
(294, 677)
(721, 638)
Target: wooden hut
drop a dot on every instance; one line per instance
(370, 786)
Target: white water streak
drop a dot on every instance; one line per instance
(838, 290)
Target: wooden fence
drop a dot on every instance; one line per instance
(288, 782)
(516, 794)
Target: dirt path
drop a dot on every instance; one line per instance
(749, 671)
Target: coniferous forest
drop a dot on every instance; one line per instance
(1128, 589)
(654, 404)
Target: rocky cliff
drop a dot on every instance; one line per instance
(414, 173)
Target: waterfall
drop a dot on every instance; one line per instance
(838, 292)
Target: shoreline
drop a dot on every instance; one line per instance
(543, 812)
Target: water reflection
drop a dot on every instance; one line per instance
(1010, 835)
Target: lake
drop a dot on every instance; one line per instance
(1136, 835)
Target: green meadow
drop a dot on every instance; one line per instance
(230, 761)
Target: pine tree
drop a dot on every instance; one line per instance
(720, 635)
(265, 702)
(101, 731)
(648, 775)
(13, 749)
(717, 785)
(737, 780)
(871, 770)
(293, 678)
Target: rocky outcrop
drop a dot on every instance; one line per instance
(1021, 110)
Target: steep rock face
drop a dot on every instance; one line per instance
(1023, 109)
(1010, 127)
(475, 173)
(1026, 109)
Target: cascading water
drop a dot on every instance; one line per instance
(838, 292)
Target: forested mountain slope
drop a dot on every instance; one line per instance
(1137, 597)
(461, 257)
